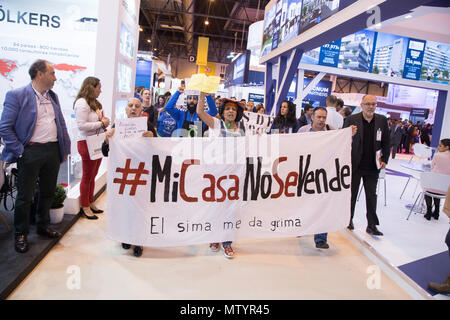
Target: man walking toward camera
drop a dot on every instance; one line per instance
(35, 136)
(372, 135)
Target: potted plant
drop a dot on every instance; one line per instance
(57, 207)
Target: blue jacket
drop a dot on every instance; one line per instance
(179, 115)
(19, 120)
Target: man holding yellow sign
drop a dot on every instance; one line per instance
(188, 122)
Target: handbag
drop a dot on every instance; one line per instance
(94, 145)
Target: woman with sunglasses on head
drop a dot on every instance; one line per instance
(229, 125)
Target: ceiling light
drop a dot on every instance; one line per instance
(408, 16)
(140, 29)
(149, 41)
(206, 22)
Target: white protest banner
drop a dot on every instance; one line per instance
(177, 191)
(256, 122)
(130, 127)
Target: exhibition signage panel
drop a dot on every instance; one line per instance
(365, 51)
(31, 30)
(256, 98)
(203, 190)
(414, 59)
(318, 95)
(329, 54)
(202, 51)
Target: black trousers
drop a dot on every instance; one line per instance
(370, 181)
(394, 150)
(38, 161)
(428, 201)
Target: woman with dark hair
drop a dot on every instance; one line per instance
(160, 103)
(425, 135)
(439, 164)
(229, 125)
(90, 121)
(285, 121)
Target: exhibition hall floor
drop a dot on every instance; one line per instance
(290, 268)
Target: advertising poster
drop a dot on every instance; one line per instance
(276, 32)
(256, 98)
(435, 66)
(315, 11)
(31, 30)
(290, 15)
(329, 54)
(318, 95)
(356, 51)
(126, 42)
(389, 55)
(144, 74)
(239, 69)
(269, 28)
(414, 59)
(311, 57)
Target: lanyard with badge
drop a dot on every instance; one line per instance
(379, 134)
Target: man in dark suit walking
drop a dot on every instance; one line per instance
(395, 134)
(372, 135)
(35, 136)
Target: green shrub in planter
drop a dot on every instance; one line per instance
(60, 196)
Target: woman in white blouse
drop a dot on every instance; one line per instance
(90, 121)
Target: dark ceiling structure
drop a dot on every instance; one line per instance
(173, 26)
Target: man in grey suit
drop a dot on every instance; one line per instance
(396, 134)
(35, 136)
(372, 135)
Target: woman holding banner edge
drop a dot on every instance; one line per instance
(229, 125)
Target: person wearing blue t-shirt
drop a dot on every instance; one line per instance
(166, 124)
(188, 122)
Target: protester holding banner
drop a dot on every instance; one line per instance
(230, 125)
(90, 121)
(133, 110)
(285, 121)
(261, 110)
(188, 123)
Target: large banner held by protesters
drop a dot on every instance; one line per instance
(183, 191)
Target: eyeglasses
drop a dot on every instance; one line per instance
(373, 104)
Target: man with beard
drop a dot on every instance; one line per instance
(188, 122)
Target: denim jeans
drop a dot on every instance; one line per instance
(320, 237)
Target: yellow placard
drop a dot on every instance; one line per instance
(201, 82)
(202, 51)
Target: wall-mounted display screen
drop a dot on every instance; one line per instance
(237, 72)
(124, 74)
(315, 11)
(126, 42)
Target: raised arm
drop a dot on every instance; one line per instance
(170, 106)
(212, 106)
(205, 117)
